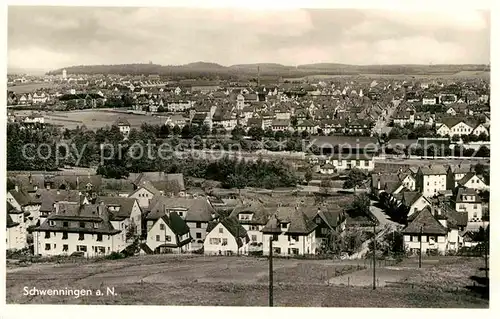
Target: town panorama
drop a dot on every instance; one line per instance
(318, 185)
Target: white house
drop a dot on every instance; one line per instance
(350, 161)
(196, 212)
(226, 237)
(144, 193)
(124, 126)
(427, 231)
(431, 179)
(414, 202)
(291, 232)
(467, 200)
(79, 228)
(454, 126)
(127, 209)
(481, 128)
(16, 229)
(472, 181)
(169, 233)
(252, 217)
(22, 201)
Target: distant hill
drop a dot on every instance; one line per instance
(208, 69)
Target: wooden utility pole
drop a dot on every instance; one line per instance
(374, 259)
(271, 271)
(420, 252)
(486, 249)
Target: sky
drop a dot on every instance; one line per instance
(54, 37)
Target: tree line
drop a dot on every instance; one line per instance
(122, 157)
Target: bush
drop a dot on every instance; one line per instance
(115, 255)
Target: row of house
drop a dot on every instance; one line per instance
(440, 207)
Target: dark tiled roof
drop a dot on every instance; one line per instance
(467, 178)
(176, 223)
(299, 223)
(424, 221)
(198, 209)
(21, 196)
(10, 223)
(260, 214)
(76, 213)
(233, 226)
(433, 170)
(49, 197)
(126, 204)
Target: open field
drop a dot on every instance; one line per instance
(242, 281)
(30, 87)
(94, 119)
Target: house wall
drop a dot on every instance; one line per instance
(214, 240)
(198, 234)
(343, 164)
(474, 210)
(136, 216)
(306, 244)
(157, 236)
(412, 243)
(16, 236)
(111, 243)
(460, 129)
(431, 184)
(254, 232)
(143, 197)
(476, 183)
(409, 182)
(418, 205)
(13, 202)
(443, 130)
(480, 129)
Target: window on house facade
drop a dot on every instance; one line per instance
(65, 224)
(47, 246)
(157, 237)
(224, 241)
(64, 235)
(324, 231)
(221, 230)
(96, 225)
(82, 224)
(47, 234)
(214, 241)
(99, 237)
(198, 235)
(81, 236)
(318, 220)
(52, 223)
(168, 238)
(254, 237)
(198, 225)
(65, 247)
(162, 227)
(275, 237)
(82, 248)
(277, 250)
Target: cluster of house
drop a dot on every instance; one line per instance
(66, 214)
(457, 119)
(441, 206)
